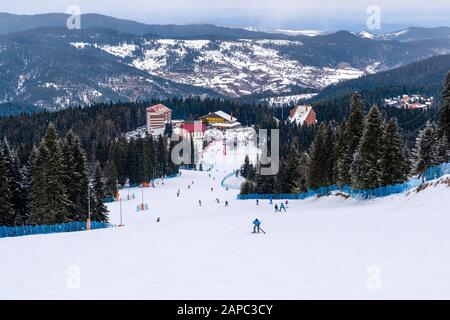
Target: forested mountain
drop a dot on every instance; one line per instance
(10, 23)
(418, 33)
(423, 77)
(54, 68)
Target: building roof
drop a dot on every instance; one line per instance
(226, 125)
(159, 108)
(193, 127)
(300, 113)
(221, 114)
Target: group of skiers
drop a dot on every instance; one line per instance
(257, 222)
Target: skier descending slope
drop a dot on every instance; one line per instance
(257, 227)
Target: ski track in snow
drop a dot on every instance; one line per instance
(321, 248)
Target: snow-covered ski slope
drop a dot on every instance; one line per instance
(395, 247)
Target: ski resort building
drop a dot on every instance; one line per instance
(220, 120)
(303, 115)
(158, 116)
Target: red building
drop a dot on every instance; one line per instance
(303, 115)
(157, 118)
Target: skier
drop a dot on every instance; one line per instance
(257, 202)
(200, 203)
(271, 200)
(189, 186)
(282, 207)
(217, 200)
(226, 203)
(276, 207)
(212, 189)
(158, 220)
(256, 226)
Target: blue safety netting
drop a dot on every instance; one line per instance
(431, 174)
(54, 228)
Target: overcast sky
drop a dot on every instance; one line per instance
(171, 11)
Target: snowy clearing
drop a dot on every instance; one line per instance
(395, 247)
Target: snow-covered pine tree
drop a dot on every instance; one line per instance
(441, 150)
(366, 171)
(75, 177)
(393, 162)
(444, 121)
(6, 207)
(353, 134)
(424, 151)
(18, 194)
(26, 172)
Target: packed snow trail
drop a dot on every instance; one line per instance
(395, 247)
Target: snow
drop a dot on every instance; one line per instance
(233, 68)
(288, 100)
(367, 35)
(123, 50)
(309, 33)
(330, 247)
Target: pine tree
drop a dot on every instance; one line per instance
(6, 207)
(393, 162)
(303, 173)
(265, 184)
(99, 212)
(424, 152)
(353, 133)
(111, 179)
(329, 155)
(161, 157)
(75, 177)
(18, 197)
(320, 158)
(339, 151)
(245, 167)
(366, 172)
(49, 199)
(247, 187)
(281, 182)
(444, 122)
(441, 151)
